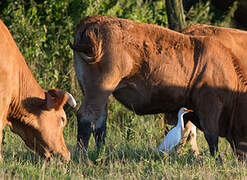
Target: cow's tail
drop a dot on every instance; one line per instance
(89, 44)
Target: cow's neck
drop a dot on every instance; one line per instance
(27, 97)
(28, 86)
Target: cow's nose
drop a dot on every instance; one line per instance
(67, 157)
(66, 154)
(47, 155)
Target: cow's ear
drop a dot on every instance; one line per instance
(56, 99)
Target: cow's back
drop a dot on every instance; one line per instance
(14, 71)
(12, 63)
(8, 53)
(234, 39)
(8, 69)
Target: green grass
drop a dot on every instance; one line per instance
(129, 153)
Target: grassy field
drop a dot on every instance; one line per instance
(42, 31)
(129, 153)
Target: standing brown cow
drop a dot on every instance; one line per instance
(234, 39)
(33, 113)
(151, 69)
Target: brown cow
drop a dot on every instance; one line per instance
(33, 113)
(151, 69)
(234, 39)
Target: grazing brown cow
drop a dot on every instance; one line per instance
(151, 69)
(33, 113)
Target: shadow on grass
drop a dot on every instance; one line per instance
(121, 153)
(125, 154)
(24, 155)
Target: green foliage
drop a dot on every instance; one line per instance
(42, 30)
(202, 13)
(140, 10)
(227, 22)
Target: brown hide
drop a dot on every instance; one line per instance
(234, 39)
(33, 113)
(151, 69)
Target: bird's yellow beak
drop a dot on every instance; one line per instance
(189, 110)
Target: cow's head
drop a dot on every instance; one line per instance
(42, 129)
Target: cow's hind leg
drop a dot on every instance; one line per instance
(192, 139)
(193, 142)
(190, 135)
(186, 133)
(239, 146)
(86, 128)
(100, 129)
(84, 131)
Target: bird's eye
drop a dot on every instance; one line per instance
(62, 121)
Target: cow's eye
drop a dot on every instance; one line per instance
(62, 121)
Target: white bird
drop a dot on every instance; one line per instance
(173, 137)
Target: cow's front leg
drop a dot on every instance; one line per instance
(84, 130)
(209, 109)
(100, 129)
(3, 121)
(212, 141)
(91, 117)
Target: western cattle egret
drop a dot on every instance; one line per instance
(174, 135)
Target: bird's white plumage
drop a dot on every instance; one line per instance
(174, 135)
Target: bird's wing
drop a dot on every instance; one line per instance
(170, 140)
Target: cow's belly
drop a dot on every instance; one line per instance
(144, 100)
(134, 100)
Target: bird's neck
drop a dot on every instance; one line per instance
(181, 122)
